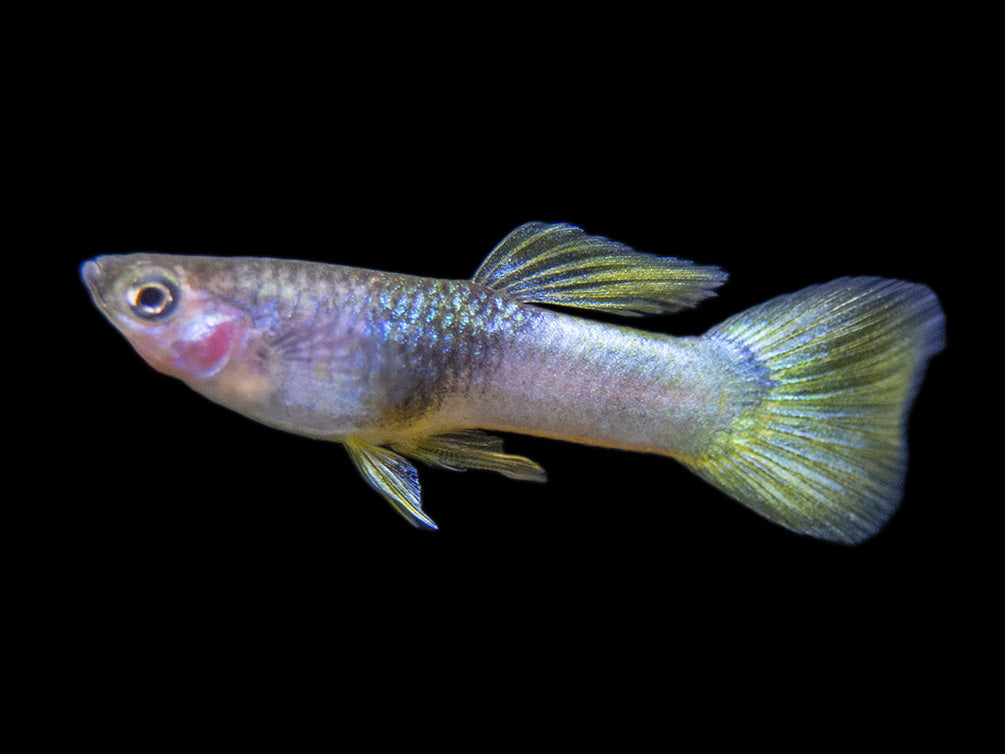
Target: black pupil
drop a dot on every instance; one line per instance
(151, 297)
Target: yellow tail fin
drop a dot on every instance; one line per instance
(824, 452)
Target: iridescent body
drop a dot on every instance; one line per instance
(795, 408)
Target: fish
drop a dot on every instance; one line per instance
(797, 407)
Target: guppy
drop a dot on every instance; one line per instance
(796, 408)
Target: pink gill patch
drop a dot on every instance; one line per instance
(204, 356)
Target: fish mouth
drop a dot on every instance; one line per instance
(90, 273)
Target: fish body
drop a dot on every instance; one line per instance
(796, 408)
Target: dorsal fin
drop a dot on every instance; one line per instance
(561, 264)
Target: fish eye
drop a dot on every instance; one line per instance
(152, 298)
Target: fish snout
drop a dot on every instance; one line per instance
(90, 273)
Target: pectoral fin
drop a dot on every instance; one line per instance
(561, 264)
(472, 449)
(393, 477)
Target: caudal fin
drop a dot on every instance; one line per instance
(824, 452)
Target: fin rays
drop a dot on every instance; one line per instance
(393, 477)
(560, 264)
(472, 449)
(823, 453)
(398, 481)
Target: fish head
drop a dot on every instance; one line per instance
(166, 311)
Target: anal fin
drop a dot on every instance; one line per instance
(472, 449)
(394, 477)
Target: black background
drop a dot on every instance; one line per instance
(189, 492)
(171, 526)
